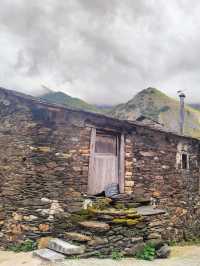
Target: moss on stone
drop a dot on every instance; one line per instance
(83, 212)
(125, 221)
(76, 218)
(113, 212)
(80, 216)
(133, 215)
(102, 203)
(120, 206)
(132, 222)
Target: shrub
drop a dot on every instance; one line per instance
(148, 253)
(116, 255)
(26, 246)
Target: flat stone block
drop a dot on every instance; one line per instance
(93, 225)
(49, 255)
(77, 237)
(149, 211)
(65, 247)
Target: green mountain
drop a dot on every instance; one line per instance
(67, 101)
(158, 106)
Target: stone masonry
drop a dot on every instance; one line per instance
(44, 165)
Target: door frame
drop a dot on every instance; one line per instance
(120, 154)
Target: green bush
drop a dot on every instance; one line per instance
(173, 243)
(26, 246)
(148, 253)
(116, 255)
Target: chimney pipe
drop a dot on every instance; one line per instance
(182, 112)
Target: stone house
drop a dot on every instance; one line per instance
(53, 157)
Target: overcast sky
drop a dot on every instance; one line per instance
(103, 51)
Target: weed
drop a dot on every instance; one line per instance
(116, 255)
(26, 246)
(148, 253)
(173, 243)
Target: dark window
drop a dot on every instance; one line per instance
(185, 161)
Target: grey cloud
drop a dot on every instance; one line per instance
(103, 51)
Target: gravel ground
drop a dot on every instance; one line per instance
(181, 256)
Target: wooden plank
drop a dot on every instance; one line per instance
(122, 164)
(106, 144)
(105, 172)
(91, 161)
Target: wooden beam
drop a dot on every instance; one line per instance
(91, 160)
(122, 164)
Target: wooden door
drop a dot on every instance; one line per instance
(104, 169)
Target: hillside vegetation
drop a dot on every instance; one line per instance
(158, 106)
(67, 101)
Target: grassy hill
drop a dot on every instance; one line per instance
(158, 106)
(67, 101)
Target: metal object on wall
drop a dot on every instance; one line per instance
(182, 111)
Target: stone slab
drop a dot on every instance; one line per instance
(77, 237)
(65, 247)
(94, 225)
(149, 211)
(49, 255)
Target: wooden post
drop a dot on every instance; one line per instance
(91, 160)
(121, 164)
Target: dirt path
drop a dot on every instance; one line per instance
(181, 256)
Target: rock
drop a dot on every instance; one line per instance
(163, 252)
(46, 200)
(106, 217)
(132, 251)
(142, 200)
(154, 236)
(136, 240)
(97, 226)
(43, 242)
(44, 227)
(17, 217)
(48, 255)
(156, 224)
(97, 242)
(132, 213)
(65, 247)
(133, 205)
(30, 218)
(147, 153)
(77, 237)
(149, 211)
(157, 243)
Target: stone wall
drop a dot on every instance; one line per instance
(44, 169)
(128, 176)
(44, 164)
(41, 157)
(157, 173)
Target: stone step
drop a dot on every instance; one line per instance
(149, 211)
(48, 255)
(96, 226)
(65, 247)
(131, 199)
